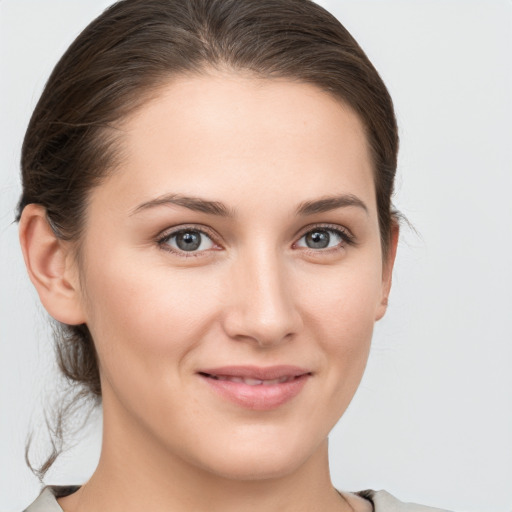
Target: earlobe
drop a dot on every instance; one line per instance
(48, 261)
(387, 271)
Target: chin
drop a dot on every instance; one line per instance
(255, 469)
(256, 459)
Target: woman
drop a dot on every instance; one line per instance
(206, 212)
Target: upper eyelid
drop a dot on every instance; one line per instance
(326, 226)
(170, 232)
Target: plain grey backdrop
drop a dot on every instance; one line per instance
(432, 421)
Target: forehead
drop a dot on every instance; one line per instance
(243, 137)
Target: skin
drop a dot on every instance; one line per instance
(254, 294)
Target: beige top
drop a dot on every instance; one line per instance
(382, 501)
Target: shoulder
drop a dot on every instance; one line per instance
(47, 499)
(382, 501)
(385, 502)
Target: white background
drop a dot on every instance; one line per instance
(432, 421)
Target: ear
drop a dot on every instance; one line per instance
(387, 270)
(51, 267)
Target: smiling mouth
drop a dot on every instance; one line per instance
(256, 388)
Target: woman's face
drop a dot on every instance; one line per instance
(232, 273)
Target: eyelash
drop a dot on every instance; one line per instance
(166, 237)
(346, 237)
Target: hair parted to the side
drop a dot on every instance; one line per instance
(123, 57)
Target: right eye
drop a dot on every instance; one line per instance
(184, 241)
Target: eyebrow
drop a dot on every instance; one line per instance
(329, 203)
(196, 204)
(199, 204)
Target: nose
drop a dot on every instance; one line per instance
(262, 306)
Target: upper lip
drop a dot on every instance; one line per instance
(256, 372)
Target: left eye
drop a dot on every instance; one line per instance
(321, 238)
(188, 240)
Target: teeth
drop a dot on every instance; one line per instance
(276, 381)
(253, 382)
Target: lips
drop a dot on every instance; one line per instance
(255, 387)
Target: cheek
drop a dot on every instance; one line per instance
(344, 301)
(342, 311)
(142, 315)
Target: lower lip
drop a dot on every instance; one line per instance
(260, 397)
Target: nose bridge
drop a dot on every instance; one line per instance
(263, 306)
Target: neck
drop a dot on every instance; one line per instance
(136, 472)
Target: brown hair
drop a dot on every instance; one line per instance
(131, 50)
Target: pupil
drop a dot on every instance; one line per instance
(318, 239)
(188, 240)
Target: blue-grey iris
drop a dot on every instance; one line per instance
(318, 239)
(188, 240)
